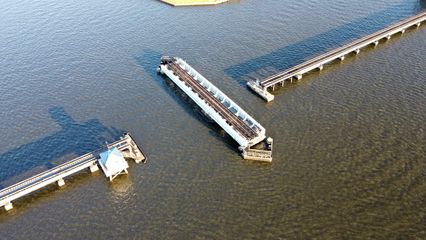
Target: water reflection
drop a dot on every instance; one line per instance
(122, 186)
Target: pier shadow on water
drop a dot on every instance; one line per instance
(150, 60)
(308, 48)
(74, 138)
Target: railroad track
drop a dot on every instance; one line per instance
(336, 53)
(230, 117)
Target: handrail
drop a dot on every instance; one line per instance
(43, 174)
(53, 172)
(355, 44)
(46, 179)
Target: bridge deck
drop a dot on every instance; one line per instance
(238, 124)
(126, 144)
(355, 46)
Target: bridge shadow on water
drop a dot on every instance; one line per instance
(149, 61)
(308, 48)
(73, 139)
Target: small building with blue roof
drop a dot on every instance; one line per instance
(113, 163)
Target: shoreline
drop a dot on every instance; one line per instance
(185, 3)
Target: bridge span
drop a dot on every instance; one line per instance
(126, 145)
(262, 87)
(243, 128)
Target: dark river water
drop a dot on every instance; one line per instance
(350, 142)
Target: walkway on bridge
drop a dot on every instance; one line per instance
(269, 83)
(126, 145)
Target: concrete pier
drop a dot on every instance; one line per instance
(8, 206)
(262, 87)
(61, 182)
(57, 174)
(93, 168)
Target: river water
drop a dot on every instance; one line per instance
(350, 145)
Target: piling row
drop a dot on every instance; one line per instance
(57, 174)
(296, 73)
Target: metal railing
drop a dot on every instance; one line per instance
(60, 171)
(336, 53)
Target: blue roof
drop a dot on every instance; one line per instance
(111, 152)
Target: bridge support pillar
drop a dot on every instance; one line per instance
(299, 76)
(321, 67)
(273, 87)
(282, 83)
(418, 24)
(94, 168)
(61, 182)
(8, 206)
(342, 58)
(388, 37)
(402, 31)
(357, 51)
(376, 43)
